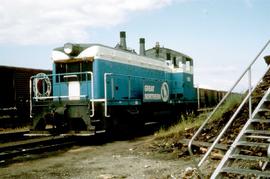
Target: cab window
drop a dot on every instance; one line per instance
(73, 67)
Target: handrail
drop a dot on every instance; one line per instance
(248, 69)
(30, 100)
(105, 94)
(106, 114)
(59, 97)
(92, 95)
(230, 121)
(233, 145)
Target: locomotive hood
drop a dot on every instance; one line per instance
(95, 51)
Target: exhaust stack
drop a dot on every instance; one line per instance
(123, 44)
(142, 46)
(157, 47)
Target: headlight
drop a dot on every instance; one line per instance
(68, 48)
(72, 49)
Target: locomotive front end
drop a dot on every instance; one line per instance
(62, 103)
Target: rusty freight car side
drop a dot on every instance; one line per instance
(208, 98)
(14, 92)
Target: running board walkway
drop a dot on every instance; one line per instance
(249, 155)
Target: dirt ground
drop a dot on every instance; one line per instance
(118, 159)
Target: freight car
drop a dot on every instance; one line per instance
(208, 98)
(14, 94)
(94, 88)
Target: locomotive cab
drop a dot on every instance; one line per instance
(71, 77)
(68, 108)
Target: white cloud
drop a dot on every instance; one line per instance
(216, 76)
(50, 21)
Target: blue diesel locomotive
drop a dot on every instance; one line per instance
(94, 88)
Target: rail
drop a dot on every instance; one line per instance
(247, 98)
(13, 149)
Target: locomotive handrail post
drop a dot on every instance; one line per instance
(129, 88)
(92, 93)
(87, 88)
(198, 97)
(248, 70)
(30, 92)
(105, 94)
(60, 86)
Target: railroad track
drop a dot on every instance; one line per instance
(13, 135)
(33, 147)
(8, 151)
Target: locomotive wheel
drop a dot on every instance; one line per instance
(40, 125)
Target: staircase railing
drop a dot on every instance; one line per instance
(247, 98)
(240, 136)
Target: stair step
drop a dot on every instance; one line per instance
(229, 163)
(248, 157)
(246, 171)
(253, 144)
(264, 132)
(94, 121)
(257, 137)
(264, 110)
(100, 131)
(261, 120)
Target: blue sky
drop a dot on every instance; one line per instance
(222, 36)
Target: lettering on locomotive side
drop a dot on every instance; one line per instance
(151, 96)
(150, 93)
(149, 88)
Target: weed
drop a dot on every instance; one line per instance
(194, 122)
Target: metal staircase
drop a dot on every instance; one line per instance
(249, 155)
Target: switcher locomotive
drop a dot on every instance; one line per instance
(94, 88)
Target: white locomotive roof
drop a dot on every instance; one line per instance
(111, 54)
(98, 51)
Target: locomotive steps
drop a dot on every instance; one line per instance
(172, 143)
(250, 117)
